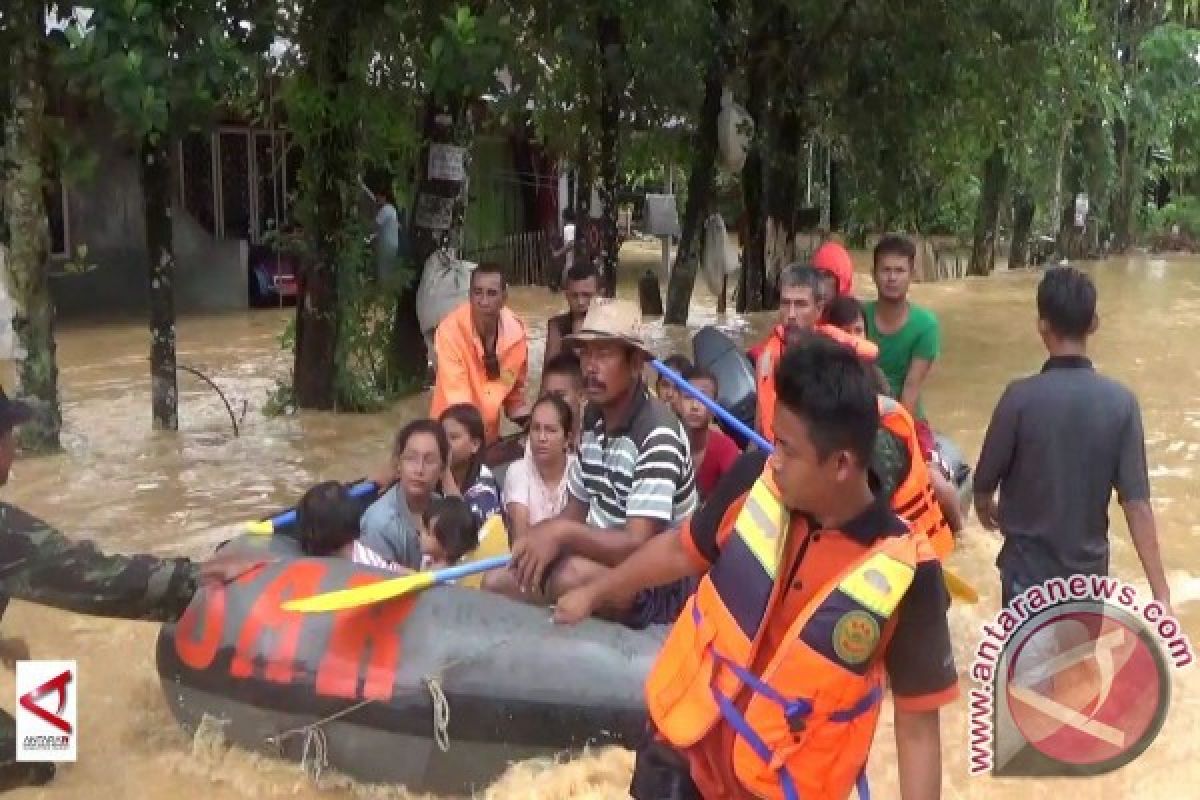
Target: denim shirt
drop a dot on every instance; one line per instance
(388, 528)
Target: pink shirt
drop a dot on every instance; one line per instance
(523, 484)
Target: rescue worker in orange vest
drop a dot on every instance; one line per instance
(799, 312)
(482, 352)
(923, 497)
(814, 597)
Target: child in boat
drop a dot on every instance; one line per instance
(847, 313)
(327, 519)
(450, 533)
(713, 452)
(466, 475)
(666, 390)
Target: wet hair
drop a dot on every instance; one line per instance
(327, 518)
(801, 276)
(676, 361)
(566, 364)
(1066, 301)
(824, 383)
(566, 417)
(845, 310)
(894, 245)
(698, 373)
(451, 522)
(469, 417)
(490, 268)
(582, 272)
(430, 426)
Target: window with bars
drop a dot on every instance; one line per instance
(236, 181)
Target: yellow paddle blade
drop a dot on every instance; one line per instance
(362, 595)
(263, 527)
(959, 589)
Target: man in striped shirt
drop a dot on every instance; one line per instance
(634, 477)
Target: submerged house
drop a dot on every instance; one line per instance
(232, 185)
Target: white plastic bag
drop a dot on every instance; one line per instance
(445, 285)
(735, 128)
(720, 257)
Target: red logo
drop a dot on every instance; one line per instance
(1087, 689)
(30, 701)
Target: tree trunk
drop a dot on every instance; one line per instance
(327, 170)
(983, 253)
(28, 234)
(437, 222)
(585, 177)
(702, 178)
(1023, 209)
(785, 140)
(1130, 161)
(754, 263)
(612, 71)
(156, 194)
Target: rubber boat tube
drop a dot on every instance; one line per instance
(514, 684)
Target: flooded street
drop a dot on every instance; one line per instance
(130, 489)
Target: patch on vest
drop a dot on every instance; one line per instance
(855, 636)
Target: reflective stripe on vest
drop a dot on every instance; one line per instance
(826, 673)
(914, 499)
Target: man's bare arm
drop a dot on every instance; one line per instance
(661, 561)
(610, 547)
(919, 754)
(918, 371)
(1144, 532)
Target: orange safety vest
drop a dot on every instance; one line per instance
(806, 728)
(914, 499)
(768, 361)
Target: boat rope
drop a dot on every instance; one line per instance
(314, 757)
(441, 713)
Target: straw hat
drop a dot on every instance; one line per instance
(611, 320)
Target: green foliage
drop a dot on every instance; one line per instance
(1183, 212)
(160, 66)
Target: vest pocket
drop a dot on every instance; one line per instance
(678, 693)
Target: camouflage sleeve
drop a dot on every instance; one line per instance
(889, 461)
(40, 565)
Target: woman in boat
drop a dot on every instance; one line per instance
(392, 526)
(466, 475)
(535, 488)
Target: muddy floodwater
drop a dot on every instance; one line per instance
(133, 490)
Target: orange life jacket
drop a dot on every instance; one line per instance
(768, 360)
(914, 498)
(806, 728)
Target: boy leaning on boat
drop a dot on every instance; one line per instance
(770, 682)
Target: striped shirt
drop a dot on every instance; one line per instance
(638, 467)
(361, 554)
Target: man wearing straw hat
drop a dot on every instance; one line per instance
(633, 479)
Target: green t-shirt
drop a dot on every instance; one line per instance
(919, 337)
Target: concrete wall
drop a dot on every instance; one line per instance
(105, 214)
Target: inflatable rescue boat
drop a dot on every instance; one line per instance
(439, 691)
